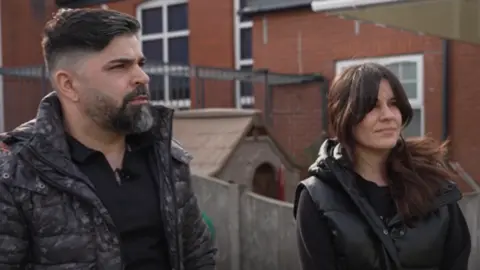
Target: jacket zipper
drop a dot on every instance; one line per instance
(174, 195)
(155, 161)
(65, 173)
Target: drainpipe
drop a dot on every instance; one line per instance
(324, 103)
(445, 89)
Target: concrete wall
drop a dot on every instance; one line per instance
(249, 155)
(252, 232)
(257, 233)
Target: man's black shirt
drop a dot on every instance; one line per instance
(130, 195)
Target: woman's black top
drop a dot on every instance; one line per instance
(315, 240)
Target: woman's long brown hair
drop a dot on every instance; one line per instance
(416, 167)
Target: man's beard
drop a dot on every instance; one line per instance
(128, 119)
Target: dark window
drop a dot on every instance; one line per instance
(246, 43)
(178, 50)
(243, 3)
(244, 18)
(157, 87)
(177, 17)
(179, 88)
(248, 106)
(152, 21)
(246, 88)
(153, 51)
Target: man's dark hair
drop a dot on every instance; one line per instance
(83, 30)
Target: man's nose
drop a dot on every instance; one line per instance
(141, 77)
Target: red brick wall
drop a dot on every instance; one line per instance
(211, 44)
(21, 36)
(326, 39)
(465, 104)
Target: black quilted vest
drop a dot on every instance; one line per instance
(362, 241)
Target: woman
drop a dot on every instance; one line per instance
(375, 200)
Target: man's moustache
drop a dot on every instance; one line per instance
(139, 91)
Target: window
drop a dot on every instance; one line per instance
(243, 55)
(409, 70)
(246, 90)
(165, 40)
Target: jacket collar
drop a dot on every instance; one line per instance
(332, 165)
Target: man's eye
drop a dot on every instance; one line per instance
(118, 66)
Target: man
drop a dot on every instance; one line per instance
(95, 180)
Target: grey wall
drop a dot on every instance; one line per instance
(214, 199)
(252, 232)
(257, 233)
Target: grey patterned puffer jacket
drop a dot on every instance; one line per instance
(51, 218)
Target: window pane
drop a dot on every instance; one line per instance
(248, 106)
(415, 126)
(177, 17)
(244, 18)
(243, 3)
(152, 21)
(179, 88)
(395, 68)
(341, 70)
(178, 50)
(246, 88)
(409, 71)
(157, 87)
(246, 43)
(153, 50)
(411, 89)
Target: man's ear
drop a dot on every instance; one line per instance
(64, 84)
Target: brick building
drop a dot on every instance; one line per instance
(281, 36)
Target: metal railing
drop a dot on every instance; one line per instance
(177, 86)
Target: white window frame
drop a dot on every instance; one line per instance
(417, 103)
(328, 5)
(239, 25)
(167, 101)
